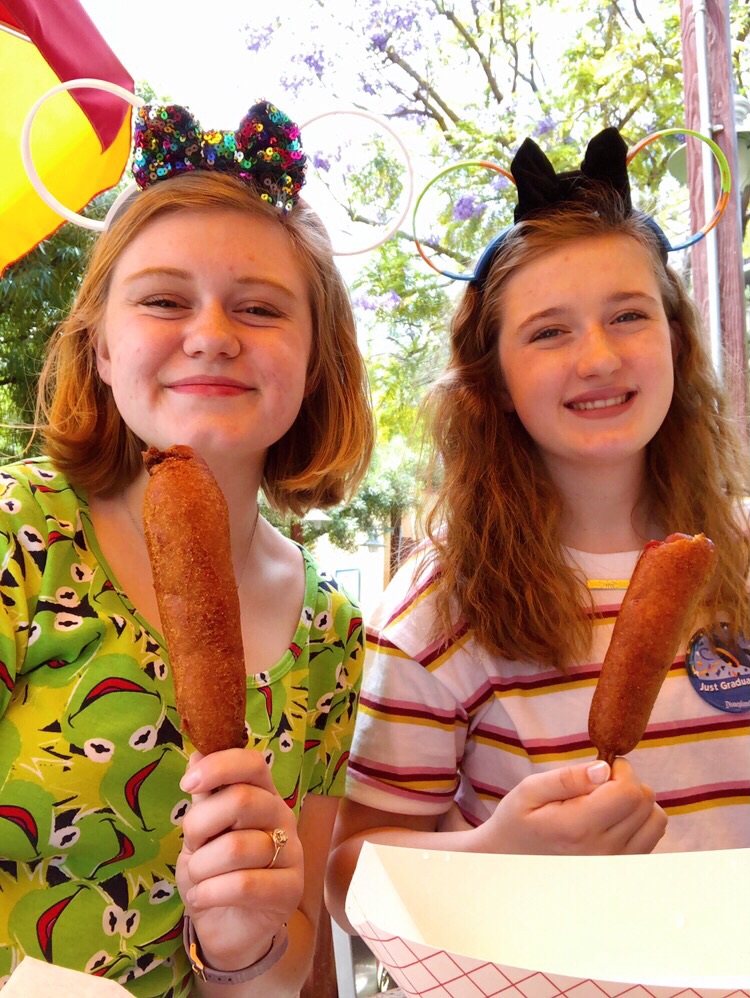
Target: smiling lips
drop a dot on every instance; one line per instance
(208, 386)
(598, 405)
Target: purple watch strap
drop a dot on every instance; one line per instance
(206, 973)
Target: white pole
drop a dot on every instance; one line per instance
(709, 195)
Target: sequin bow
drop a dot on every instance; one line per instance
(265, 151)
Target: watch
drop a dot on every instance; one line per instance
(211, 976)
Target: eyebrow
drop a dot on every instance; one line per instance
(186, 276)
(614, 299)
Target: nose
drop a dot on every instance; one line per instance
(211, 334)
(597, 354)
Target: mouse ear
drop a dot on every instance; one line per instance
(536, 180)
(606, 161)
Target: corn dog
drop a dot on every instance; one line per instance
(186, 525)
(668, 582)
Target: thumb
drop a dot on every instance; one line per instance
(565, 783)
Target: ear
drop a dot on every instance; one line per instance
(103, 359)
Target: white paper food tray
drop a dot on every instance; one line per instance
(457, 925)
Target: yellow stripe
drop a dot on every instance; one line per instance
(704, 805)
(428, 785)
(385, 649)
(451, 650)
(415, 602)
(570, 685)
(380, 715)
(581, 753)
(519, 750)
(691, 736)
(603, 621)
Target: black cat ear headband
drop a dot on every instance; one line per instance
(540, 189)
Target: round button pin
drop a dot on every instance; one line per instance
(719, 669)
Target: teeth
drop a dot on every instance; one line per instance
(598, 404)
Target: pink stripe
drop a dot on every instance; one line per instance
(708, 723)
(736, 788)
(399, 791)
(549, 681)
(536, 746)
(378, 639)
(489, 790)
(440, 648)
(369, 766)
(407, 708)
(411, 597)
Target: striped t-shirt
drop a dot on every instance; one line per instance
(447, 722)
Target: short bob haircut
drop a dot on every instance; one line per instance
(319, 461)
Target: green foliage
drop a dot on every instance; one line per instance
(35, 294)
(389, 490)
(406, 336)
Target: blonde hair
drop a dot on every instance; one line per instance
(323, 456)
(496, 520)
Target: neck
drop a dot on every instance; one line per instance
(240, 493)
(604, 507)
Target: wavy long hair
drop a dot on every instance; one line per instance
(495, 522)
(322, 457)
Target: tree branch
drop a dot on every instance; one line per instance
(472, 43)
(392, 55)
(403, 234)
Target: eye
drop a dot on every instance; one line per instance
(630, 316)
(550, 333)
(261, 311)
(159, 302)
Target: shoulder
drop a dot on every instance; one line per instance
(34, 491)
(410, 595)
(324, 595)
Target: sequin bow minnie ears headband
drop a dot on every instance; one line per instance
(265, 152)
(541, 190)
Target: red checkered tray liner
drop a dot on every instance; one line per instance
(424, 972)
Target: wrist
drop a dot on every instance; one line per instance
(204, 969)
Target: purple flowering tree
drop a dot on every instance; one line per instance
(469, 80)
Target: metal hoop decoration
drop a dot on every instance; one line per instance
(454, 166)
(724, 172)
(36, 182)
(409, 173)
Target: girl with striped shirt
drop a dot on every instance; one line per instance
(579, 418)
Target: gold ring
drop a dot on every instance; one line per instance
(279, 839)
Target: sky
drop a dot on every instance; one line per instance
(200, 60)
(196, 56)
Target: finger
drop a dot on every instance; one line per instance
(647, 837)
(194, 758)
(622, 770)
(245, 850)
(264, 890)
(233, 808)
(628, 812)
(220, 769)
(564, 783)
(621, 800)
